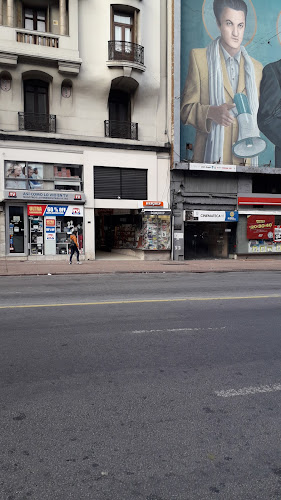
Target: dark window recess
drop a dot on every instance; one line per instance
(123, 183)
(35, 19)
(270, 184)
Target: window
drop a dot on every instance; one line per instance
(43, 176)
(36, 97)
(123, 183)
(35, 19)
(119, 106)
(123, 30)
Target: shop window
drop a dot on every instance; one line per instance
(120, 183)
(43, 176)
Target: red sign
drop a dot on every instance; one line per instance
(77, 197)
(50, 222)
(36, 210)
(248, 200)
(260, 227)
(12, 194)
(153, 204)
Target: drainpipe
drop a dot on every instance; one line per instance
(1, 11)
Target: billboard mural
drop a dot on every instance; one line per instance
(231, 82)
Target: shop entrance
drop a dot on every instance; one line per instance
(116, 231)
(132, 232)
(209, 240)
(16, 224)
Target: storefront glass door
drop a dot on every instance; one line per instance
(16, 230)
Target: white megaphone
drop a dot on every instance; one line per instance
(249, 142)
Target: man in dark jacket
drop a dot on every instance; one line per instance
(269, 114)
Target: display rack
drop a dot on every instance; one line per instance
(36, 236)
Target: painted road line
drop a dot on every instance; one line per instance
(245, 391)
(144, 301)
(175, 330)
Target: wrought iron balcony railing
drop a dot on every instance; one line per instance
(125, 51)
(37, 122)
(121, 130)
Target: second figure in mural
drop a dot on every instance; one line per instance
(215, 75)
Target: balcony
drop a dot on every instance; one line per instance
(125, 54)
(35, 38)
(121, 130)
(37, 122)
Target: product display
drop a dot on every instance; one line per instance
(36, 236)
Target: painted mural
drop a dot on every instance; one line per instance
(231, 82)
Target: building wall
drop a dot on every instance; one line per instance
(82, 59)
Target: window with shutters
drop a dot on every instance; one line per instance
(120, 183)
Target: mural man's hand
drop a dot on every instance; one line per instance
(221, 115)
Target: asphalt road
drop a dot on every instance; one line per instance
(140, 387)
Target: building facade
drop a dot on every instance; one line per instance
(84, 121)
(225, 182)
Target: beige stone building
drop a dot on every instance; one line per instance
(84, 128)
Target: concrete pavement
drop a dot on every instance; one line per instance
(22, 267)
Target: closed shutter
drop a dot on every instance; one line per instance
(107, 183)
(126, 183)
(134, 184)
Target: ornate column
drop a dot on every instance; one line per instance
(10, 13)
(62, 17)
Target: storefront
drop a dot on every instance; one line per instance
(43, 229)
(259, 228)
(209, 234)
(43, 206)
(134, 230)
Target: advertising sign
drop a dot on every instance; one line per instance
(277, 234)
(211, 216)
(260, 227)
(56, 210)
(230, 85)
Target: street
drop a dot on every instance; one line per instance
(141, 387)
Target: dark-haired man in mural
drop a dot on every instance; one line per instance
(269, 115)
(215, 75)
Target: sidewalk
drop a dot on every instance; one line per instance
(57, 267)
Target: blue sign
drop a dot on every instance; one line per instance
(56, 210)
(231, 216)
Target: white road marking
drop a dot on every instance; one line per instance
(245, 391)
(180, 330)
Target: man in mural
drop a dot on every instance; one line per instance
(269, 115)
(215, 75)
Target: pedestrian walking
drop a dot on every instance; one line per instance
(74, 248)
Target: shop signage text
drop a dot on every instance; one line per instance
(152, 204)
(43, 196)
(260, 227)
(58, 210)
(212, 167)
(211, 216)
